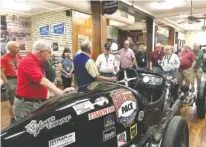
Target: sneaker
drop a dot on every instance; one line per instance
(12, 120)
(192, 89)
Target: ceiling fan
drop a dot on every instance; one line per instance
(191, 19)
(204, 26)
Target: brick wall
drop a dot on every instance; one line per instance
(51, 18)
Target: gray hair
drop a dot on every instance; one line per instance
(10, 44)
(40, 45)
(196, 44)
(85, 46)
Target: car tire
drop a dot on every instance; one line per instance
(176, 133)
(200, 102)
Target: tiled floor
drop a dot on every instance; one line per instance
(197, 126)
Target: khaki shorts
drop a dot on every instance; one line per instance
(187, 75)
(198, 73)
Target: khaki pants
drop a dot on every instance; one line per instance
(22, 108)
(10, 90)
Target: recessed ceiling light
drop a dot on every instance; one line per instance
(143, 20)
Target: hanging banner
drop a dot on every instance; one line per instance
(109, 7)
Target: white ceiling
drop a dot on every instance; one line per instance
(170, 16)
(36, 6)
(178, 14)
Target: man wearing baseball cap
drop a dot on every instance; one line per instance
(106, 62)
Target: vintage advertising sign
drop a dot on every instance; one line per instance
(44, 30)
(101, 112)
(126, 105)
(109, 134)
(63, 140)
(109, 7)
(133, 131)
(34, 127)
(121, 139)
(59, 29)
(108, 121)
(83, 107)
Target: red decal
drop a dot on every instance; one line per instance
(101, 112)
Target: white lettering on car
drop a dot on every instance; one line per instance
(101, 112)
(34, 127)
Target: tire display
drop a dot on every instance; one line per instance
(176, 133)
(200, 102)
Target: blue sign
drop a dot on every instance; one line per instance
(59, 29)
(44, 30)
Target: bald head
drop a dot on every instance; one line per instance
(13, 47)
(158, 47)
(196, 46)
(186, 48)
(126, 44)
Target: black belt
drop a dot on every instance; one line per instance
(10, 77)
(30, 100)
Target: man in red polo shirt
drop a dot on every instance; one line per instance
(156, 58)
(187, 65)
(9, 63)
(32, 85)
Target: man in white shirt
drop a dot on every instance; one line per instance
(170, 62)
(106, 63)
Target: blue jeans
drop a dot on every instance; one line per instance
(142, 68)
(157, 70)
(108, 74)
(171, 72)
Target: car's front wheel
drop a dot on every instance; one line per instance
(176, 133)
(201, 98)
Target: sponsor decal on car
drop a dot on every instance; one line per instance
(133, 131)
(34, 127)
(63, 140)
(126, 106)
(101, 101)
(108, 121)
(101, 112)
(141, 116)
(83, 107)
(109, 134)
(121, 139)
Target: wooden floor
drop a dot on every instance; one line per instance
(197, 127)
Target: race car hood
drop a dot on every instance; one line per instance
(56, 107)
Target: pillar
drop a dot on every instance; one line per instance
(171, 37)
(150, 34)
(99, 28)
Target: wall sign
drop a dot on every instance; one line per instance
(59, 29)
(44, 30)
(109, 7)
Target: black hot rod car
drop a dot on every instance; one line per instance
(137, 111)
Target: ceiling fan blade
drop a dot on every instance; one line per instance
(197, 21)
(181, 22)
(201, 17)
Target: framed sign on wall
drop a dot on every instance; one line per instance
(59, 29)
(44, 31)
